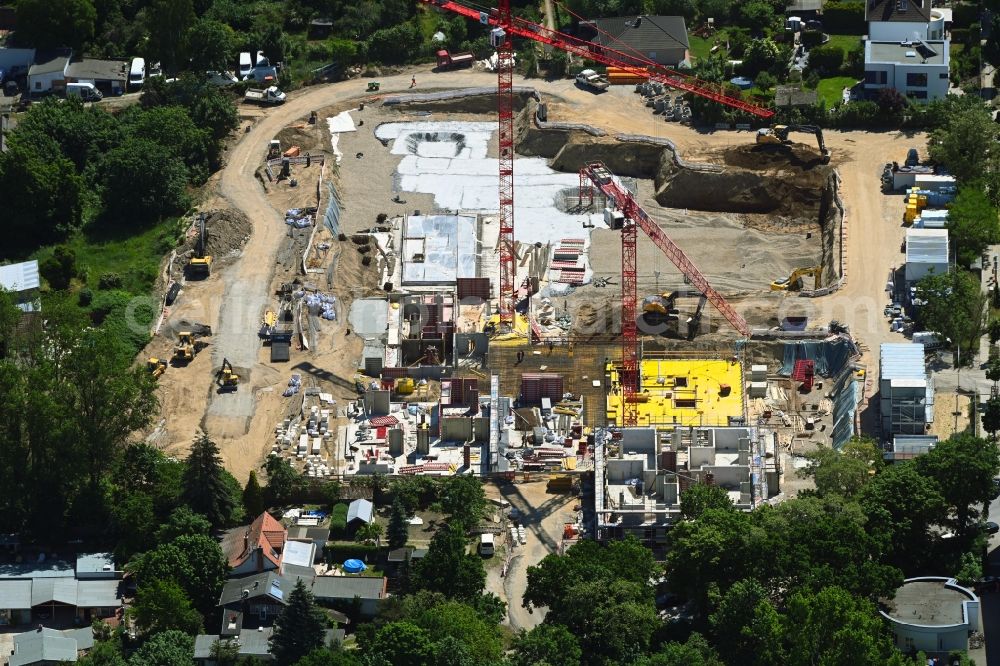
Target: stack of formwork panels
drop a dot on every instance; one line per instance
(538, 385)
(566, 258)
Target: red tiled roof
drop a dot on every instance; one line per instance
(265, 534)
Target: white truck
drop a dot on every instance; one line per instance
(265, 96)
(592, 80)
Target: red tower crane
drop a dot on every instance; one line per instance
(596, 175)
(505, 26)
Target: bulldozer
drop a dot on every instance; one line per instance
(794, 281)
(778, 135)
(226, 378)
(156, 367)
(200, 264)
(184, 350)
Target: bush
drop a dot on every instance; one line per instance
(338, 552)
(963, 14)
(338, 520)
(60, 268)
(811, 38)
(109, 281)
(85, 297)
(844, 17)
(826, 60)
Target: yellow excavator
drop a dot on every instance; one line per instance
(200, 264)
(184, 350)
(227, 378)
(794, 281)
(156, 367)
(660, 306)
(778, 135)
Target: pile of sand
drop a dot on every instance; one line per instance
(226, 232)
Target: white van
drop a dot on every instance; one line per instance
(486, 545)
(246, 64)
(137, 73)
(88, 92)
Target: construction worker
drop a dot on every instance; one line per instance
(413, 81)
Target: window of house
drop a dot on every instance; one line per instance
(916, 94)
(876, 77)
(38, 85)
(916, 80)
(943, 75)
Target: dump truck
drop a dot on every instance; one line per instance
(591, 79)
(265, 95)
(448, 60)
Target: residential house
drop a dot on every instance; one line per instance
(906, 49)
(256, 547)
(359, 512)
(23, 281)
(255, 601)
(52, 592)
(108, 76)
(96, 566)
(804, 9)
(662, 39)
(250, 643)
(317, 535)
(47, 73)
(49, 646)
(16, 62)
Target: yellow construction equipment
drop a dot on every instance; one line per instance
(405, 386)
(660, 304)
(156, 367)
(794, 281)
(778, 135)
(184, 350)
(200, 264)
(227, 378)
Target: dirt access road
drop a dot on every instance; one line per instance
(873, 240)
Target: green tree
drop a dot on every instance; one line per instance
(991, 417)
(685, 8)
(56, 23)
(954, 306)
(370, 533)
(59, 269)
(695, 652)
(760, 55)
(902, 503)
(299, 629)
(463, 623)
(700, 497)
(194, 562)
(551, 644)
(142, 182)
(756, 15)
(963, 143)
(400, 644)
(168, 648)
(972, 224)
(462, 499)
(826, 60)
(167, 24)
(964, 467)
(205, 487)
(253, 497)
(399, 527)
(836, 473)
(43, 193)
(162, 605)
(172, 128)
(448, 568)
(329, 657)
(746, 626)
(132, 520)
(182, 522)
(282, 481)
(993, 365)
(833, 627)
(210, 45)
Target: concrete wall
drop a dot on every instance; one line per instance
(916, 270)
(639, 440)
(896, 31)
(480, 342)
(619, 471)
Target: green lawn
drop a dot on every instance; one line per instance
(700, 46)
(847, 42)
(136, 258)
(832, 89)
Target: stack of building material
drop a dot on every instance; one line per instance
(538, 385)
(566, 258)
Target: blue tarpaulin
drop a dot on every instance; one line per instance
(354, 566)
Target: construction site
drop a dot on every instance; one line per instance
(398, 284)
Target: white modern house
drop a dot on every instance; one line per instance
(906, 390)
(906, 49)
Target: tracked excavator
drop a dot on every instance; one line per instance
(794, 281)
(227, 378)
(200, 264)
(662, 308)
(778, 135)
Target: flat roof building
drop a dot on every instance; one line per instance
(906, 390)
(926, 252)
(933, 615)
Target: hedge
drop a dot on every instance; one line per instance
(844, 17)
(336, 552)
(338, 520)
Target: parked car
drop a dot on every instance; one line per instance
(221, 79)
(990, 527)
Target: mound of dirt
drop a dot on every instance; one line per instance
(795, 156)
(226, 232)
(309, 138)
